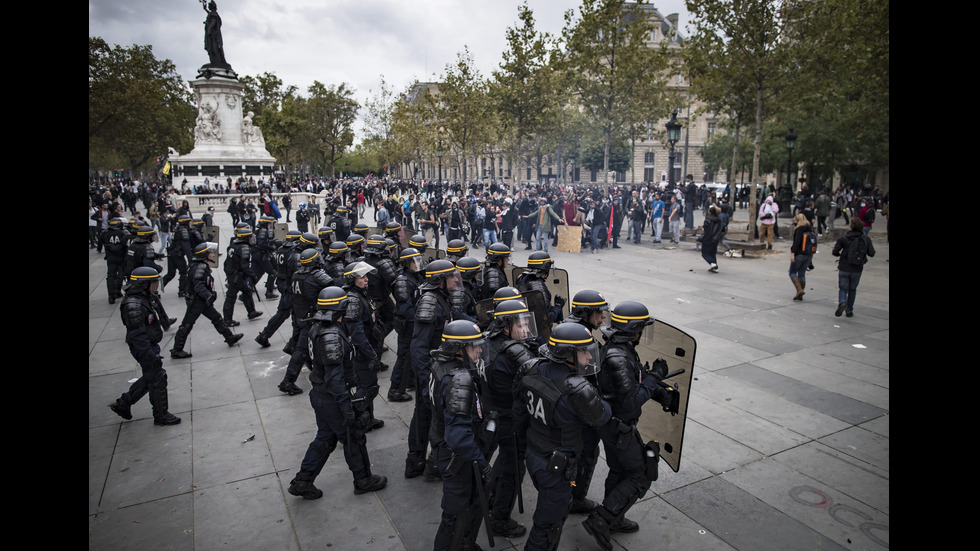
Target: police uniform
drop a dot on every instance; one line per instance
(494, 276)
(307, 282)
(144, 319)
(360, 320)
(379, 290)
(140, 252)
(333, 388)
(553, 402)
(284, 307)
(265, 249)
(115, 240)
(199, 295)
(533, 279)
(240, 275)
(405, 290)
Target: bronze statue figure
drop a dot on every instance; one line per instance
(212, 35)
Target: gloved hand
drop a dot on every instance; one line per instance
(669, 398)
(213, 297)
(560, 301)
(349, 418)
(485, 473)
(658, 369)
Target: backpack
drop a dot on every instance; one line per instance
(857, 251)
(809, 242)
(869, 216)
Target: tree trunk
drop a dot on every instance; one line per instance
(756, 154)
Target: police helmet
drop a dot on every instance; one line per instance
(470, 269)
(146, 232)
(390, 245)
(141, 277)
(440, 270)
(307, 240)
(540, 262)
(355, 241)
(116, 222)
(243, 231)
(457, 247)
(498, 250)
(506, 293)
(338, 250)
(357, 269)
(184, 219)
(630, 317)
(325, 234)
(266, 221)
(588, 299)
(573, 344)
(375, 245)
(464, 337)
(197, 223)
(392, 229)
(409, 257)
(511, 311)
(293, 235)
(309, 257)
(419, 242)
(341, 209)
(361, 228)
(331, 303)
(203, 249)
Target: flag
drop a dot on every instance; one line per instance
(166, 168)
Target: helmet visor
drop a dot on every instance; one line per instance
(523, 327)
(413, 264)
(476, 355)
(360, 269)
(587, 359)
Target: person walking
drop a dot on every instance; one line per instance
(767, 220)
(674, 220)
(710, 238)
(853, 248)
(801, 253)
(544, 219)
(822, 205)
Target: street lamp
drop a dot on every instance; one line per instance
(673, 136)
(439, 154)
(571, 158)
(786, 191)
(347, 168)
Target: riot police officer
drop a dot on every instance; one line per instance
(553, 401)
(471, 273)
(394, 231)
(379, 290)
(512, 325)
(361, 322)
(145, 322)
(115, 241)
(306, 283)
(333, 398)
(588, 307)
(459, 433)
(405, 290)
(455, 250)
(539, 265)
(181, 242)
(195, 231)
(284, 307)
(263, 255)
(240, 275)
(495, 274)
(199, 295)
(325, 236)
(141, 252)
(306, 241)
(337, 258)
(362, 229)
(340, 223)
(355, 242)
(432, 311)
(627, 387)
(419, 243)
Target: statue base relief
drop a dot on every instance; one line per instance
(226, 145)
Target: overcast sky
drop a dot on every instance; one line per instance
(333, 41)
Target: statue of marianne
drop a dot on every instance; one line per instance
(212, 34)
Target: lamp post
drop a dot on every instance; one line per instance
(786, 190)
(571, 158)
(673, 136)
(347, 168)
(439, 154)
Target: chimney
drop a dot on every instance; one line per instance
(672, 19)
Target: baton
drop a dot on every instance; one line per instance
(483, 501)
(520, 478)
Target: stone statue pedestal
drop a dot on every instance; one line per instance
(226, 145)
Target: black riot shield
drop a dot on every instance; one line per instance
(557, 283)
(431, 254)
(279, 231)
(211, 233)
(536, 304)
(483, 309)
(661, 340)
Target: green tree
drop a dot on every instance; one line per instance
(412, 120)
(742, 41)
(461, 107)
(612, 69)
(379, 121)
(330, 112)
(138, 107)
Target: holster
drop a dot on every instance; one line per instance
(651, 461)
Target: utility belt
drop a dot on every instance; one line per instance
(651, 450)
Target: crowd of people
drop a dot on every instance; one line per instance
(500, 391)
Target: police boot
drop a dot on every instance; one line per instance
(508, 528)
(597, 525)
(370, 483)
(288, 349)
(121, 408)
(289, 387)
(302, 485)
(112, 298)
(270, 294)
(414, 465)
(158, 400)
(254, 314)
(177, 352)
(582, 506)
(431, 471)
(263, 340)
(624, 525)
(232, 339)
(395, 395)
(231, 323)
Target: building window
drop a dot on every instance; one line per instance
(528, 173)
(648, 159)
(620, 175)
(592, 176)
(648, 174)
(711, 129)
(649, 130)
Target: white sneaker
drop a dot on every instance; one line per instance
(713, 268)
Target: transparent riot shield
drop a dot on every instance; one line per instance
(431, 254)
(661, 340)
(557, 283)
(279, 231)
(211, 233)
(484, 309)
